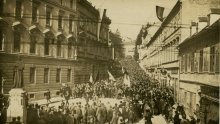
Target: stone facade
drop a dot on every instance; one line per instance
(47, 36)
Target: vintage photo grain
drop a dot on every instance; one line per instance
(109, 61)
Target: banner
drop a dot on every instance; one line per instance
(127, 80)
(159, 12)
(111, 77)
(91, 78)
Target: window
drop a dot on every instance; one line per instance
(18, 10)
(58, 75)
(32, 74)
(68, 75)
(206, 59)
(71, 3)
(34, 13)
(48, 17)
(70, 24)
(60, 21)
(70, 49)
(186, 60)
(46, 75)
(33, 44)
(31, 96)
(2, 40)
(200, 60)
(192, 60)
(212, 59)
(1, 7)
(196, 61)
(46, 46)
(17, 41)
(59, 47)
(182, 64)
(217, 69)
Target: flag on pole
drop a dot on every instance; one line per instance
(111, 77)
(100, 24)
(126, 77)
(159, 12)
(127, 80)
(91, 78)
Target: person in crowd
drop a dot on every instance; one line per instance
(176, 118)
(18, 121)
(47, 95)
(13, 121)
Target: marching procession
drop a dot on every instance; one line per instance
(142, 101)
(140, 62)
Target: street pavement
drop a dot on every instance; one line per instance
(56, 101)
(159, 119)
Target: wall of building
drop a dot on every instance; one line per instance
(73, 68)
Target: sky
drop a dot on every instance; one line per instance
(128, 16)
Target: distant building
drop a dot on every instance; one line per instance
(54, 47)
(129, 48)
(117, 45)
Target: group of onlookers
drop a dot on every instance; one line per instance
(94, 112)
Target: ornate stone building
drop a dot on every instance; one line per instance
(46, 36)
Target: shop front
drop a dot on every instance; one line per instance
(209, 109)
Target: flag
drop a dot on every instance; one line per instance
(159, 12)
(127, 80)
(111, 76)
(142, 34)
(91, 78)
(101, 23)
(97, 77)
(126, 77)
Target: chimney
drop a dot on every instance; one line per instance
(202, 23)
(214, 15)
(193, 28)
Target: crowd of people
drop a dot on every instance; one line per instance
(144, 99)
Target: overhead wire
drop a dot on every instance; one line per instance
(95, 20)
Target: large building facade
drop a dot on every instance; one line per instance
(162, 53)
(199, 70)
(47, 37)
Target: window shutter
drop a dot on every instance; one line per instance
(37, 18)
(62, 22)
(15, 11)
(22, 10)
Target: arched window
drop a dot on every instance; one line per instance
(33, 41)
(59, 47)
(70, 44)
(17, 41)
(46, 46)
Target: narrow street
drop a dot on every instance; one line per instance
(109, 61)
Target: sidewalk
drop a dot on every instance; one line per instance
(159, 119)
